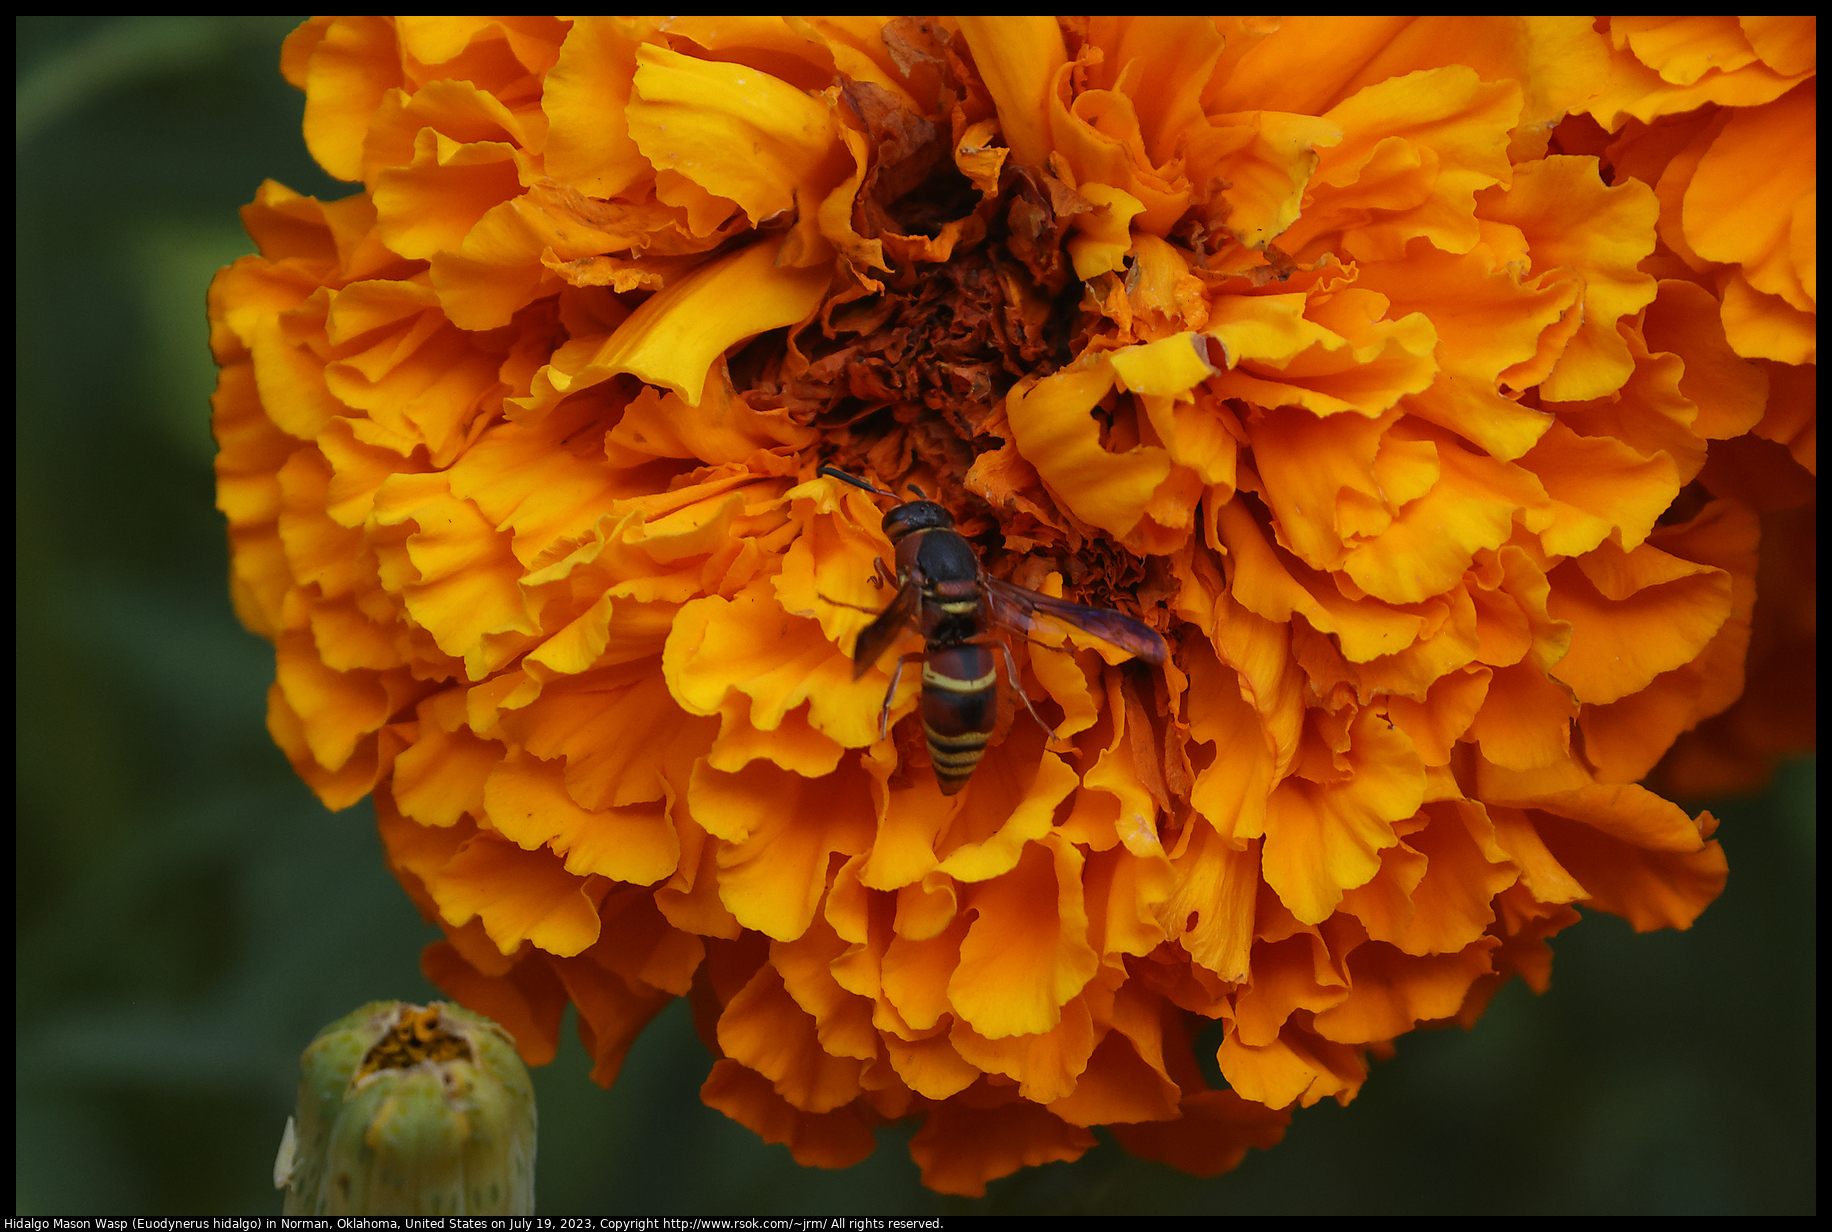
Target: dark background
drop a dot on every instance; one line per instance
(188, 916)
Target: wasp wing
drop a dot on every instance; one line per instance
(1016, 607)
(877, 637)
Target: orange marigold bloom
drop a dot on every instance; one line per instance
(1382, 365)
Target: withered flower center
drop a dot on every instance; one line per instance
(419, 1035)
(906, 376)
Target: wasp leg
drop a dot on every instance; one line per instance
(890, 694)
(884, 576)
(857, 607)
(1011, 668)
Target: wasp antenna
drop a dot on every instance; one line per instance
(919, 492)
(843, 477)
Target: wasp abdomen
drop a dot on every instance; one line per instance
(959, 707)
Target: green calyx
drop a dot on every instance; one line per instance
(410, 1110)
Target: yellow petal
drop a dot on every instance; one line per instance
(1169, 367)
(678, 332)
(586, 96)
(735, 131)
(1018, 58)
(1103, 238)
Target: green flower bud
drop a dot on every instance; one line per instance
(410, 1110)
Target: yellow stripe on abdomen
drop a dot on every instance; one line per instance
(954, 684)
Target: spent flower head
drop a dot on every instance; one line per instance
(410, 1110)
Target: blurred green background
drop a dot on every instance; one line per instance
(188, 915)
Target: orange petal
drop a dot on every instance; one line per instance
(1415, 151)
(1525, 720)
(1432, 541)
(1634, 615)
(1328, 356)
(764, 1030)
(527, 802)
(915, 975)
(1125, 893)
(1599, 487)
(1118, 1087)
(1288, 976)
(1728, 391)
(440, 777)
(1268, 586)
(1439, 722)
(640, 946)
(837, 1139)
(1057, 435)
(1322, 839)
(747, 645)
(773, 863)
(1637, 855)
(1571, 218)
(611, 1013)
(1391, 992)
(415, 374)
(1045, 1065)
(1016, 791)
(1231, 791)
(1641, 87)
(1026, 953)
(1740, 207)
(1297, 1067)
(520, 896)
(334, 710)
(1268, 158)
(1624, 739)
(528, 1002)
(1212, 910)
(1169, 367)
(1102, 238)
(1210, 1137)
(460, 158)
(842, 1020)
(346, 66)
(960, 1148)
(1766, 326)
(457, 576)
(1488, 321)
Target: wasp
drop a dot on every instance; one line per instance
(947, 595)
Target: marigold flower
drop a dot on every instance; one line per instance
(1356, 356)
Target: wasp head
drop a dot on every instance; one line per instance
(914, 516)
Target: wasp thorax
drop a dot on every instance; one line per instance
(915, 516)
